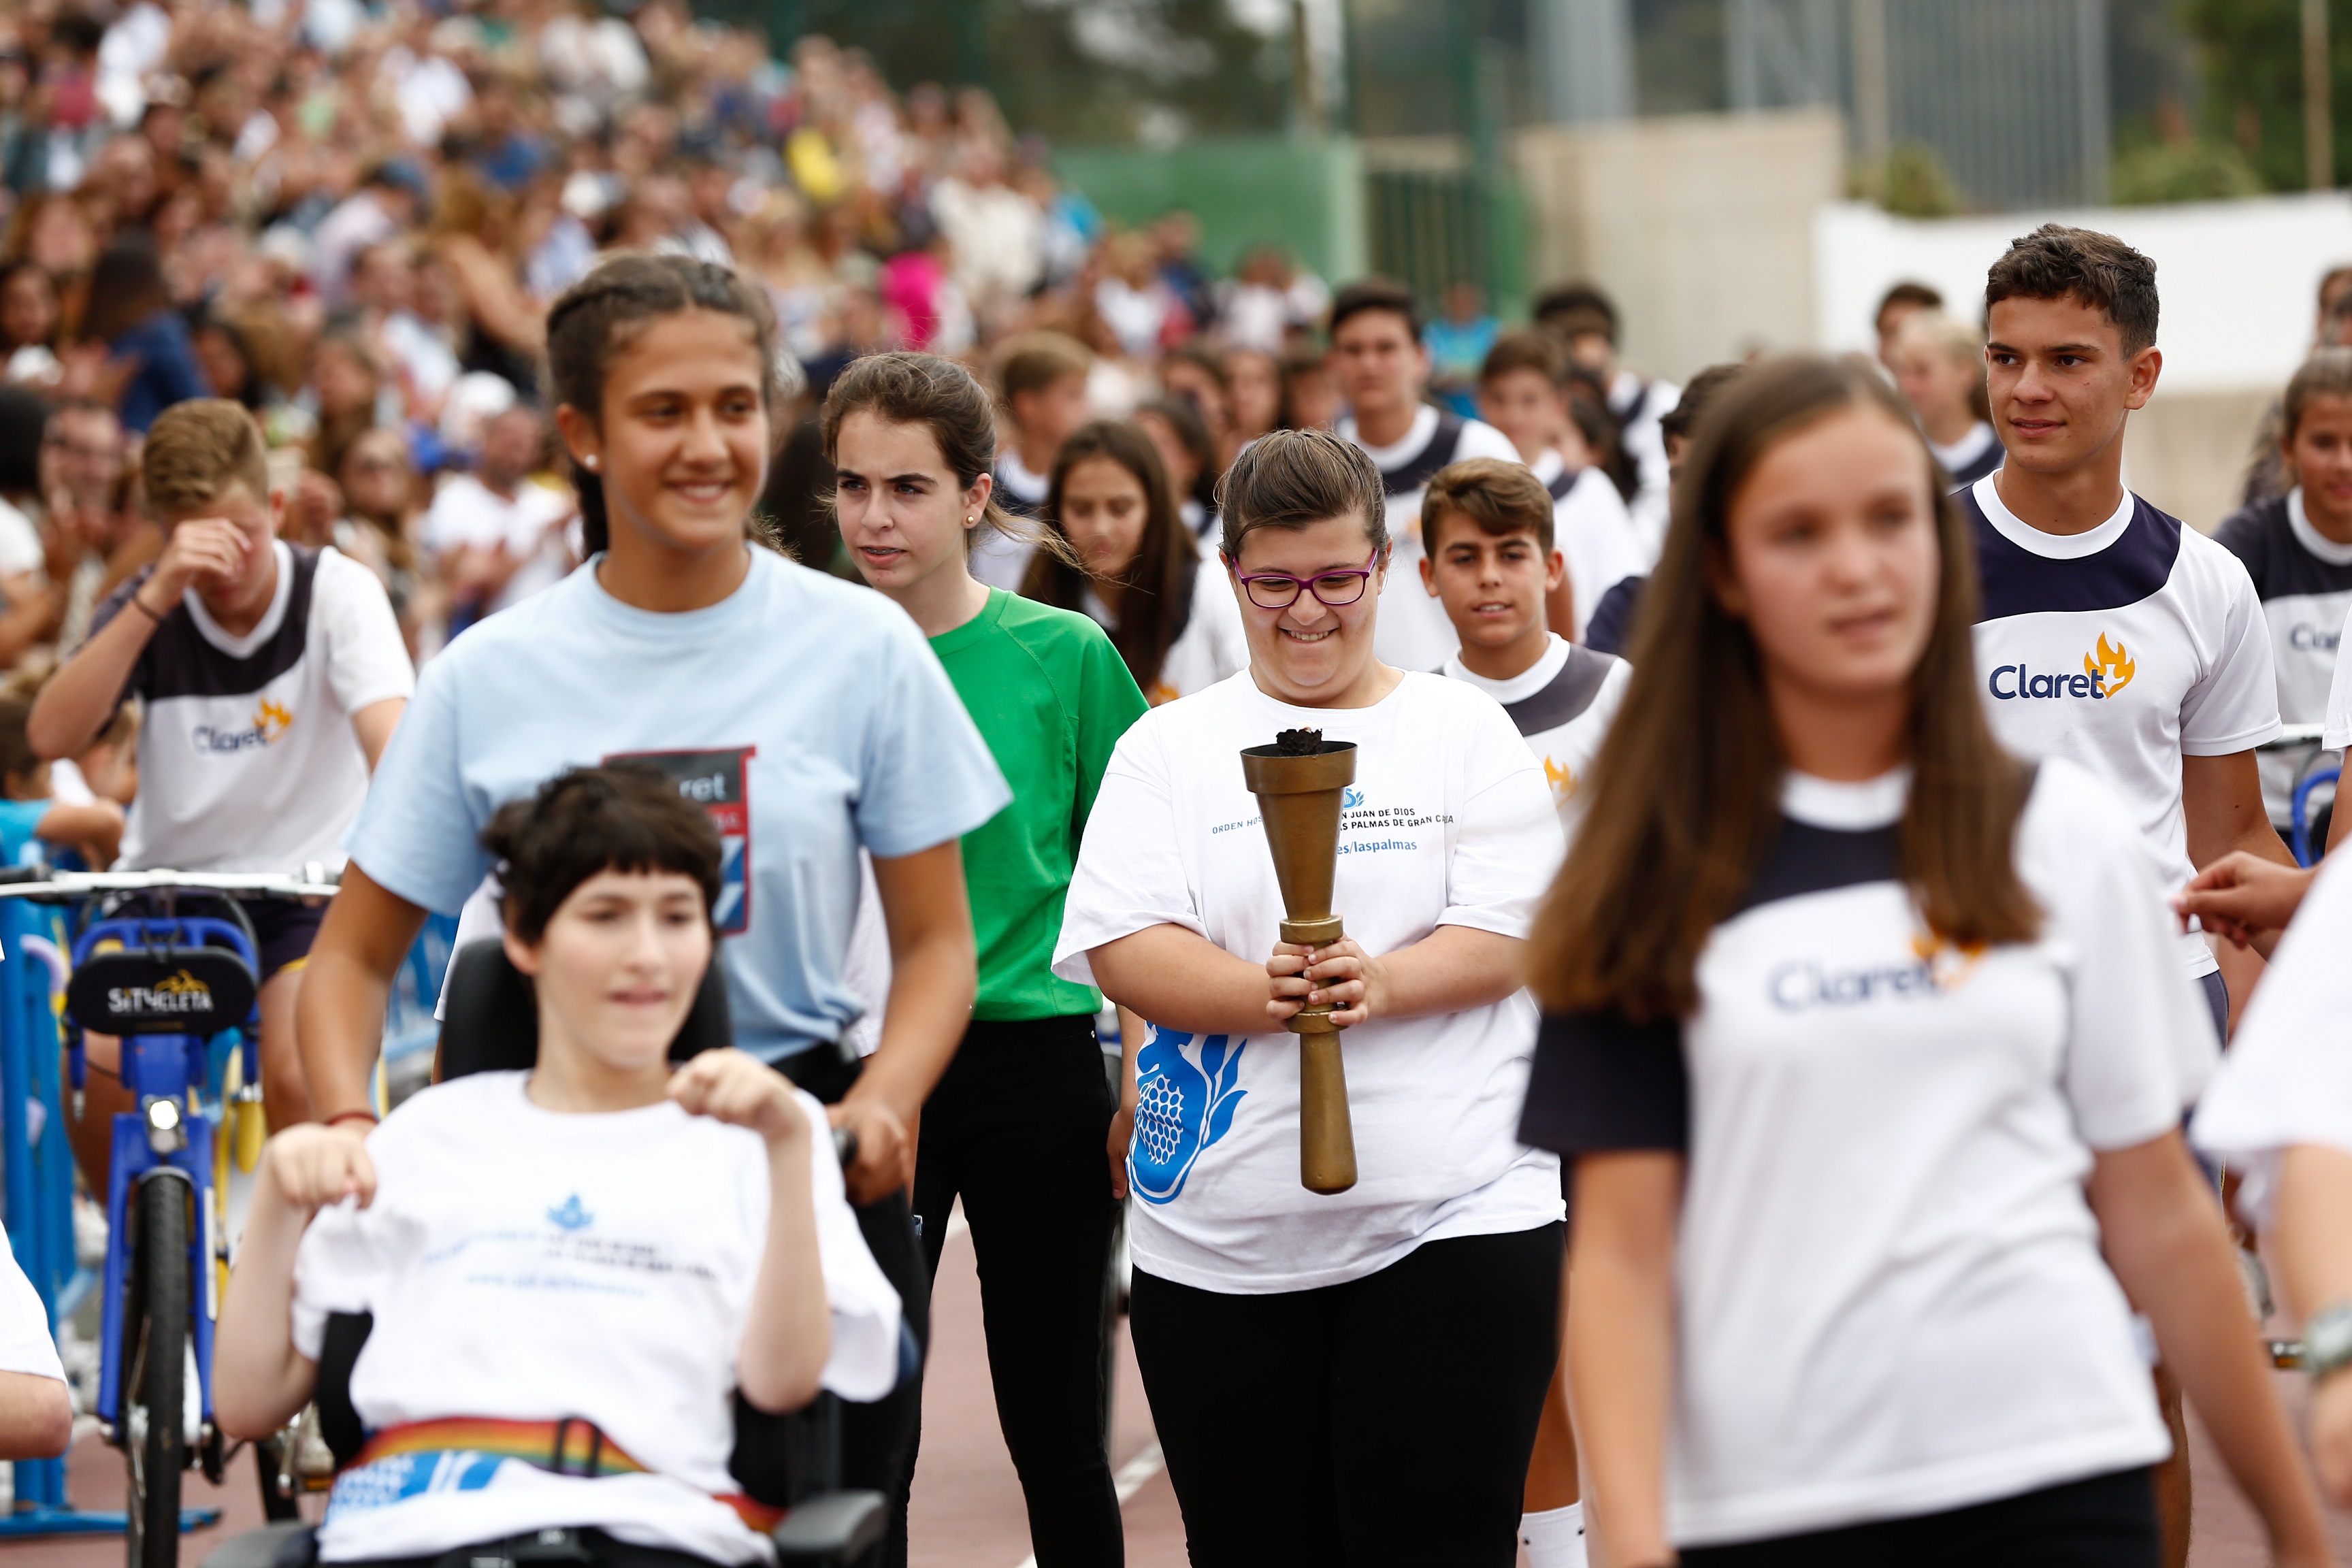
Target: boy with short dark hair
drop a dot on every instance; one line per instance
(1041, 388)
(1492, 561)
(1587, 321)
(1383, 366)
(1520, 393)
(572, 1272)
(272, 676)
(2110, 633)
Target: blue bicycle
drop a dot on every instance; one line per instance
(180, 990)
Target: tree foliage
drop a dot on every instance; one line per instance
(2253, 82)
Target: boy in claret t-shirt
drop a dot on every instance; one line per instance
(1489, 527)
(1520, 393)
(1492, 564)
(272, 676)
(2111, 634)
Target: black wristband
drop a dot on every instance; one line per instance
(140, 606)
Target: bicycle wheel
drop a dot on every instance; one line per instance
(155, 1440)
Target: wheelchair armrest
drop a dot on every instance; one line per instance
(289, 1543)
(835, 1529)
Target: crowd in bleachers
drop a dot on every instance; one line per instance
(353, 218)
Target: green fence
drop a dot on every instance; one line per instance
(1305, 193)
(1431, 228)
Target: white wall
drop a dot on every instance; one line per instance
(1701, 227)
(2239, 279)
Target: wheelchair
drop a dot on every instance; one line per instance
(791, 1461)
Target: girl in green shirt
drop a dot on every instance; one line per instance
(1018, 1124)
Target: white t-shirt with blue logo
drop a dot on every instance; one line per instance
(2123, 649)
(1449, 823)
(525, 1265)
(808, 716)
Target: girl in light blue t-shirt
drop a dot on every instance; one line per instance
(806, 715)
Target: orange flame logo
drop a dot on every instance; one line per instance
(2112, 669)
(272, 719)
(1562, 782)
(1949, 964)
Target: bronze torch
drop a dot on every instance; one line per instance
(1299, 782)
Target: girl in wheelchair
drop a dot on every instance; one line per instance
(572, 1270)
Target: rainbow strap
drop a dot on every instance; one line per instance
(570, 1446)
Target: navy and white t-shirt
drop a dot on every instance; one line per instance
(1592, 530)
(247, 761)
(1562, 706)
(1890, 1299)
(1972, 457)
(1413, 632)
(2125, 649)
(2305, 581)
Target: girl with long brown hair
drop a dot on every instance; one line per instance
(1175, 625)
(1864, 1040)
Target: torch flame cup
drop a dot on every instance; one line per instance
(1298, 803)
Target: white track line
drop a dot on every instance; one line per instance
(1132, 1477)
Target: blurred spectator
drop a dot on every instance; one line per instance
(1896, 306)
(346, 392)
(28, 325)
(497, 535)
(1310, 396)
(1254, 379)
(1189, 456)
(379, 529)
(1176, 246)
(1270, 299)
(27, 603)
(1457, 343)
(93, 537)
(154, 364)
(1196, 373)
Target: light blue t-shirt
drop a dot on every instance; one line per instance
(808, 716)
(18, 821)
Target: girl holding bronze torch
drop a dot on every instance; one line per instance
(1351, 1376)
(1870, 1047)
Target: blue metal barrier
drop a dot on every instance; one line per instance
(39, 1171)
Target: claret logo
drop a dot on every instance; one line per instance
(181, 993)
(1936, 966)
(270, 722)
(2106, 672)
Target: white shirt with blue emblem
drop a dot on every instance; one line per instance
(524, 1264)
(1449, 822)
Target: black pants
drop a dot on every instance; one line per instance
(878, 1440)
(1385, 1421)
(1016, 1128)
(2107, 1521)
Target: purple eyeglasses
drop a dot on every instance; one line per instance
(1336, 590)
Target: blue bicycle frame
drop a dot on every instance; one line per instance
(174, 1069)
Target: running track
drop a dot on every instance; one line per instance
(967, 1506)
